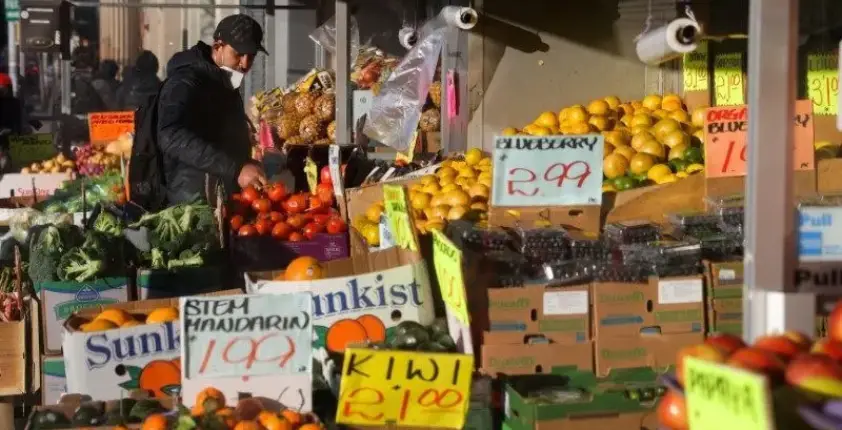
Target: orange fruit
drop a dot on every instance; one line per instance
(304, 269)
(131, 323)
(155, 422)
(247, 425)
(375, 330)
(311, 426)
(162, 315)
(344, 332)
(117, 316)
(98, 325)
(272, 421)
(293, 417)
(210, 399)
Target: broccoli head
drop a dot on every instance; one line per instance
(107, 223)
(79, 265)
(186, 259)
(158, 261)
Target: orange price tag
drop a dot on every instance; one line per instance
(108, 126)
(726, 135)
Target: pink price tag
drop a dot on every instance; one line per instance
(265, 135)
(452, 104)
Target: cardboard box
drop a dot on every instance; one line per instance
(724, 279)
(70, 403)
(59, 300)
(105, 364)
(509, 353)
(187, 281)
(663, 305)
(725, 316)
(654, 351)
(562, 314)
(53, 379)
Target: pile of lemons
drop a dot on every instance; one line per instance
(460, 189)
(650, 141)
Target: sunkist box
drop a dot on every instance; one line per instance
(561, 314)
(59, 300)
(53, 379)
(106, 364)
(379, 289)
(517, 353)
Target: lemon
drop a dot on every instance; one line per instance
(371, 234)
(372, 214)
(473, 156)
(672, 105)
(428, 179)
(677, 151)
(654, 148)
(675, 138)
(651, 102)
(439, 212)
(479, 192)
(821, 144)
(580, 128)
(695, 167)
(680, 116)
(457, 198)
(445, 180)
(607, 148)
(671, 96)
(636, 104)
(537, 130)
(600, 122)
(446, 171)
(698, 117)
(616, 138)
(562, 115)
(449, 187)
(614, 166)
(435, 225)
(577, 114)
(681, 175)
(626, 152)
(598, 107)
(658, 171)
(665, 127)
(641, 163)
(641, 119)
(667, 179)
(698, 137)
(627, 119)
(608, 188)
(456, 212)
(640, 138)
(625, 109)
(613, 101)
(546, 119)
(509, 131)
(660, 113)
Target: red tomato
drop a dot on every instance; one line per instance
(297, 203)
(247, 230)
(310, 230)
(321, 219)
(296, 221)
(236, 222)
(281, 231)
(276, 216)
(324, 176)
(336, 225)
(317, 205)
(250, 194)
(325, 193)
(263, 226)
(261, 206)
(276, 192)
(296, 237)
(236, 197)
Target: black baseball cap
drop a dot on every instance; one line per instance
(242, 32)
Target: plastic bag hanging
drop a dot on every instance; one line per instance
(325, 36)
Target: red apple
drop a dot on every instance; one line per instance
(781, 345)
(802, 340)
(816, 373)
(834, 323)
(830, 348)
(759, 361)
(701, 351)
(672, 411)
(727, 343)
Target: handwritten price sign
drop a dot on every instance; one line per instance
(823, 83)
(108, 126)
(547, 170)
(31, 148)
(695, 69)
(412, 389)
(246, 335)
(728, 77)
(447, 259)
(726, 135)
(720, 397)
(394, 199)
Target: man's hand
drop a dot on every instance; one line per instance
(251, 174)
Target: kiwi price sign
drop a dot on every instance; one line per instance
(547, 170)
(246, 335)
(695, 69)
(720, 397)
(396, 207)
(728, 78)
(404, 388)
(726, 135)
(447, 259)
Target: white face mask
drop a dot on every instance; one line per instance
(235, 76)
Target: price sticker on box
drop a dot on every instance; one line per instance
(720, 397)
(394, 200)
(726, 135)
(695, 69)
(823, 83)
(405, 389)
(108, 126)
(728, 78)
(547, 170)
(31, 148)
(447, 259)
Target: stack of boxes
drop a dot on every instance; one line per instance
(724, 297)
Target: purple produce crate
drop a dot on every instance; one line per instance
(259, 253)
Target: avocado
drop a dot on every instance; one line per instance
(46, 420)
(406, 342)
(438, 327)
(408, 326)
(445, 340)
(144, 408)
(434, 347)
(88, 415)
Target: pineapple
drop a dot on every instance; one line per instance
(311, 127)
(304, 103)
(298, 140)
(430, 120)
(288, 102)
(325, 107)
(331, 131)
(288, 126)
(435, 93)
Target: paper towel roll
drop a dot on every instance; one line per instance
(408, 37)
(464, 18)
(668, 42)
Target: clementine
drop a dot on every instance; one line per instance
(116, 316)
(155, 422)
(247, 425)
(210, 400)
(292, 417)
(304, 269)
(162, 315)
(311, 426)
(272, 421)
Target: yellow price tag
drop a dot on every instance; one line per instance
(312, 172)
(394, 200)
(823, 83)
(695, 69)
(410, 153)
(720, 397)
(412, 389)
(447, 259)
(728, 76)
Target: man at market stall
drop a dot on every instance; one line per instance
(202, 125)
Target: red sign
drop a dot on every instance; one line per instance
(726, 135)
(108, 126)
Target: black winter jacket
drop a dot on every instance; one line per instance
(136, 88)
(202, 126)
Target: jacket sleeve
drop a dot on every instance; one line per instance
(176, 138)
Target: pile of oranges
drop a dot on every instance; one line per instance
(118, 318)
(210, 412)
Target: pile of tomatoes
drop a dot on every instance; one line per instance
(294, 217)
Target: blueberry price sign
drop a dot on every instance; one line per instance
(447, 259)
(695, 69)
(396, 207)
(403, 388)
(720, 397)
(823, 83)
(246, 335)
(31, 148)
(547, 170)
(728, 78)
